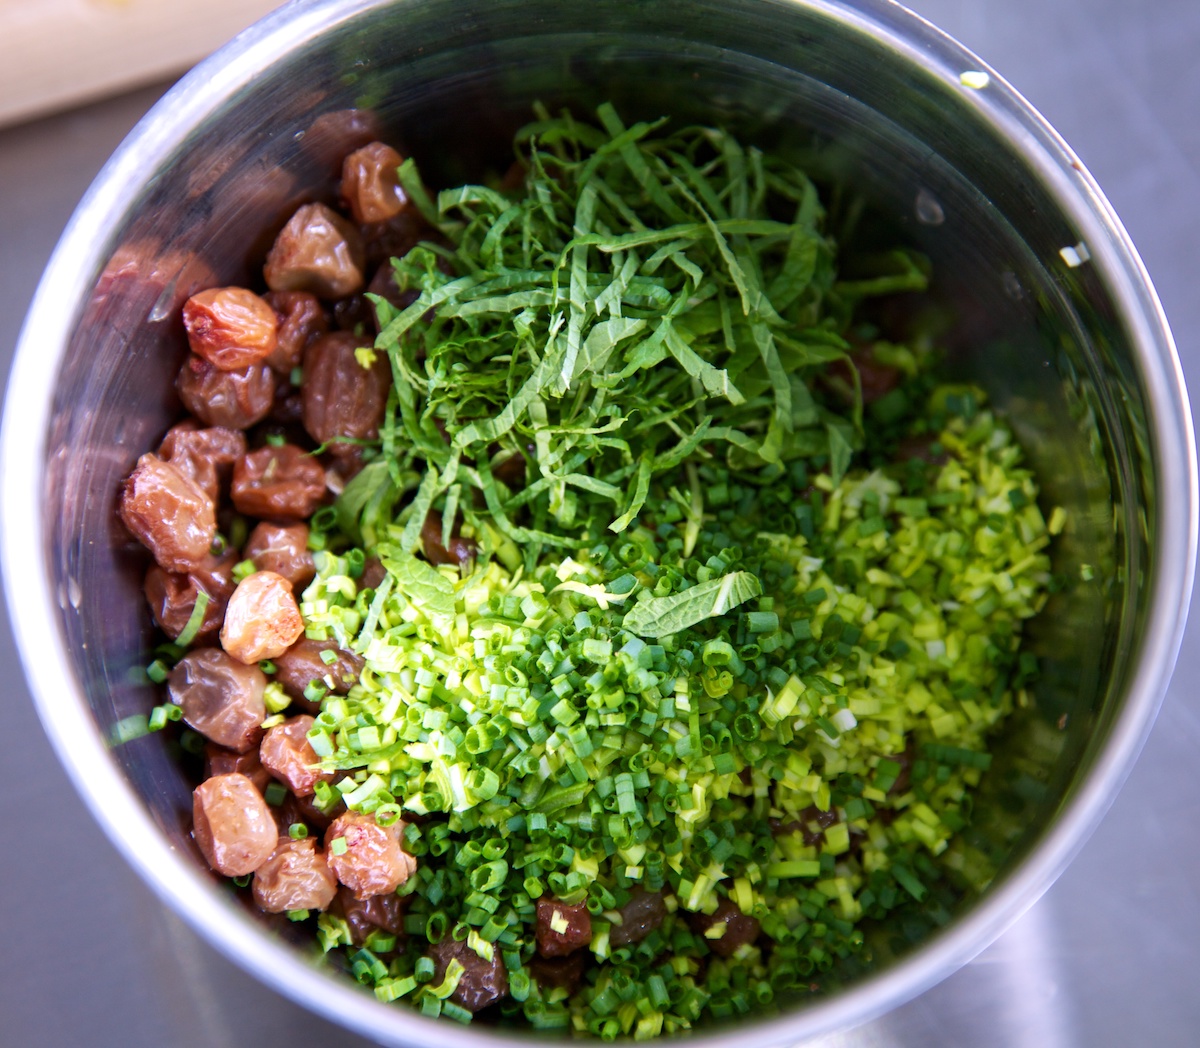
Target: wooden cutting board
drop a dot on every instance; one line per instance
(59, 53)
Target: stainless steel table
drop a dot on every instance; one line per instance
(1110, 956)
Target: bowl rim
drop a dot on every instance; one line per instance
(175, 877)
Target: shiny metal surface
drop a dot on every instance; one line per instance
(137, 420)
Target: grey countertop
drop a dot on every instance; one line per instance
(1109, 957)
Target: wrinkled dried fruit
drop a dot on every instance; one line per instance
(230, 327)
(205, 455)
(262, 619)
(562, 929)
(302, 664)
(372, 861)
(341, 397)
(220, 761)
(640, 916)
(460, 552)
(234, 399)
(481, 983)
(278, 483)
(172, 596)
(370, 185)
(286, 753)
(317, 251)
(168, 513)
(739, 929)
(363, 916)
(220, 697)
(296, 876)
(301, 319)
(283, 549)
(232, 824)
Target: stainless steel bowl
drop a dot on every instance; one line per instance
(1049, 308)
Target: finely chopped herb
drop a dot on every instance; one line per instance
(654, 643)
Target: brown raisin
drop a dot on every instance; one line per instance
(302, 664)
(317, 251)
(234, 399)
(220, 697)
(371, 862)
(371, 185)
(172, 596)
(287, 754)
(283, 549)
(343, 399)
(738, 928)
(205, 455)
(562, 929)
(301, 319)
(278, 483)
(482, 982)
(460, 552)
(168, 513)
(642, 914)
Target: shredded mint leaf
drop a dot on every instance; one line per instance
(419, 581)
(644, 286)
(662, 616)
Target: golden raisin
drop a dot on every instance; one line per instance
(262, 619)
(230, 327)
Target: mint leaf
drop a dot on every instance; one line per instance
(660, 616)
(420, 582)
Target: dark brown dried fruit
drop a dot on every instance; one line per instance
(230, 327)
(739, 929)
(278, 483)
(304, 810)
(232, 825)
(234, 399)
(283, 549)
(395, 238)
(363, 916)
(317, 251)
(559, 973)
(302, 664)
(220, 697)
(168, 513)
(220, 761)
(341, 397)
(481, 983)
(296, 876)
(562, 929)
(262, 619)
(373, 574)
(640, 916)
(460, 552)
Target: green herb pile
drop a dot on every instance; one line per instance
(723, 641)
